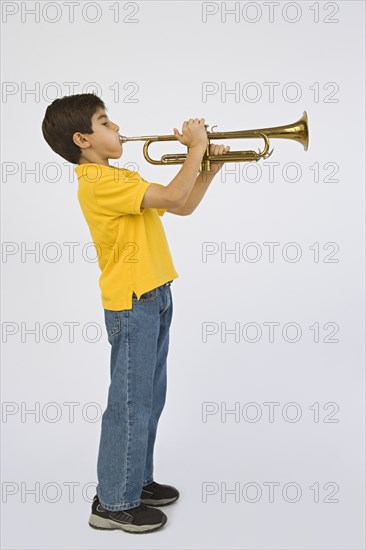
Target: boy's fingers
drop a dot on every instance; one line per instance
(219, 149)
(178, 135)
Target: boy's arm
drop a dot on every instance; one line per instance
(201, 184)
(176, 193)
(199, 189)
(186, 190)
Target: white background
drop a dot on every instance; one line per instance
(169, 52)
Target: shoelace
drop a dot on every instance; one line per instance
(139, 509)
(135, 510)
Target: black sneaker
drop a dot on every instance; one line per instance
(140, 519)
(157, 494)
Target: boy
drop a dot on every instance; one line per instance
(122, 211)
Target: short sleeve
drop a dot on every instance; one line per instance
(161, 211)
(120, 192)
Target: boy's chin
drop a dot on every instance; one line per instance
(116, 155)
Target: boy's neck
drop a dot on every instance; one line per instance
(103, 162)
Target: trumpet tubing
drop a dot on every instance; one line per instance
(297, 131)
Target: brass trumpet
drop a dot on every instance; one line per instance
(297, 131)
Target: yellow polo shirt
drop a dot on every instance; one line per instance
(130, 241)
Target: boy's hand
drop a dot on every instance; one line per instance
(193, 133)
(217, 150)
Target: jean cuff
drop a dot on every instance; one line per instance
(118, 507)
(148, 481)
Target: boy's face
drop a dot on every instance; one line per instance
(104, 143)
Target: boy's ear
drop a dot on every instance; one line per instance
(80, 140)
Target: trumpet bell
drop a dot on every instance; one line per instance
(298, 131)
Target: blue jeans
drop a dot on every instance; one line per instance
(140, 340)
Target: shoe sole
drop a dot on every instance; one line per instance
(162, 502)
(104, 524)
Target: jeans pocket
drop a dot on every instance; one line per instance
(146, 297)
(112, 323)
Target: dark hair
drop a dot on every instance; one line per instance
(64, 117)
